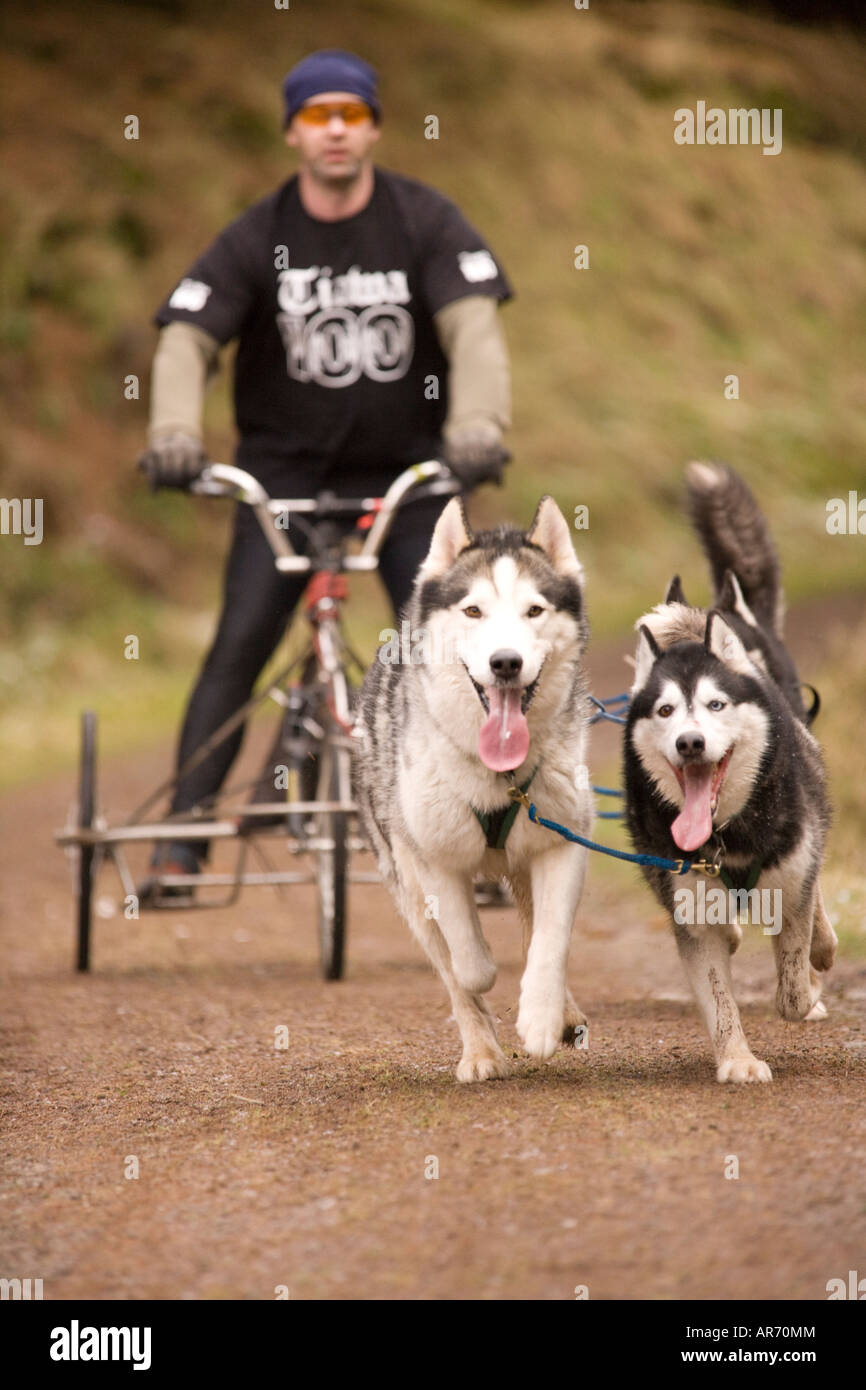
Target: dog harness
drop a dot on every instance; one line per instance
(732, 878)
(738, 879)
(674, 866)
(497, 824)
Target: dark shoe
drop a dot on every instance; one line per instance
(169, 858)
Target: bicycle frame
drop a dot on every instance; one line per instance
(321, 602)
(224, 480)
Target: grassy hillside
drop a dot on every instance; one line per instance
(556, 128)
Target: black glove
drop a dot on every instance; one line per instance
(476, 455)
(173, 460)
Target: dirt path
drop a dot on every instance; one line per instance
(306, 1167)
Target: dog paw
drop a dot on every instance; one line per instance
(743, 1069)
(575, 1022)
(570, 1033)
(541, 1033)
(823, 952)
(483, 1065)
(817, 1012)
(794, 1002)
(575, 1034)
(574, 1015)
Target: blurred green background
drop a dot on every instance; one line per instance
(556, 129)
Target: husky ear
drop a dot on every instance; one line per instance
(731, 600)
(726, 599)
(450, 535)
(549, 531)
(648, 652)
(675, 592)
(723, 643)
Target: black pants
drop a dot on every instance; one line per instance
(257, 604)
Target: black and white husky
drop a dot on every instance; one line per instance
(720, 765)
(488, 689)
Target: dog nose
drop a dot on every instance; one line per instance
(691, 743)
(505, 663)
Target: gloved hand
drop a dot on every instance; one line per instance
(476, 454)
(173, 460)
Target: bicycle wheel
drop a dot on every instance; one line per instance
(331, 867)
(86, 808)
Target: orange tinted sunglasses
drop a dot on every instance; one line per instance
(320, 113)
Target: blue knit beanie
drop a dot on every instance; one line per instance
(329, 70)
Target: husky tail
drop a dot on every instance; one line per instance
(735, 536)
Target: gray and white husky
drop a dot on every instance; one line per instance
(720, 764)
(488, 690)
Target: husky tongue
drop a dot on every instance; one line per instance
(503, 741)
(694, 824)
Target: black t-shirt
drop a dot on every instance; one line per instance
(338, 364)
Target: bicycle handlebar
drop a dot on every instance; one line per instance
(224, 480)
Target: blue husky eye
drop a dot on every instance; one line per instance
(716, 705)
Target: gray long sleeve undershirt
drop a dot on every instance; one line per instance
(469, 332)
